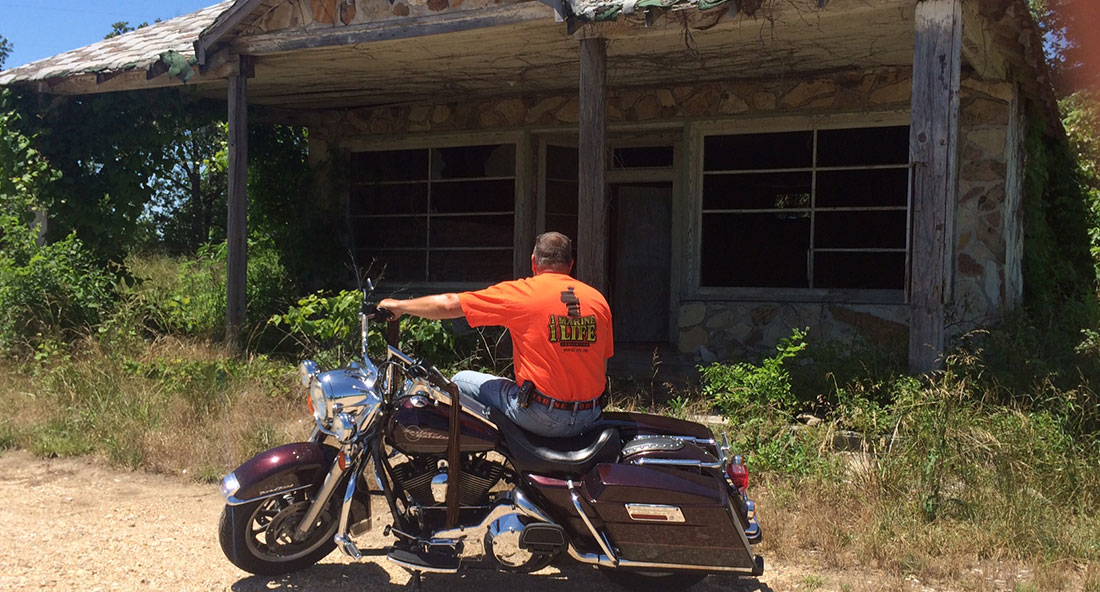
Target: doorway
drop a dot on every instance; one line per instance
(640, 260)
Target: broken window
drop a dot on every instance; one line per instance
(817, 209)
(435, 215)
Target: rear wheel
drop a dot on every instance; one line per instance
(258, 537)
(644, 581)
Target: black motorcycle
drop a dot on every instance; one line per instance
(652, 501)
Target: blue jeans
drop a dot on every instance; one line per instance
(503, 394)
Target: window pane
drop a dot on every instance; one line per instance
(562, 163)
(889, 187)
(473, 196)
(755, 250)
(472, 231)
(561, 197)
(470, 266)
(865, 146)
(463, 162)
(758, 151)
(859, 230)
(406, 266)
(650, 156)
(868, 271)
(757, 191)
(389, 233)
(389, 165)
(565, 224)
(401, 198)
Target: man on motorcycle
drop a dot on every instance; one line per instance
(561, 338)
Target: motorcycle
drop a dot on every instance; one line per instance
(651, 501)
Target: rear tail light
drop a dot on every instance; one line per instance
(738, 475)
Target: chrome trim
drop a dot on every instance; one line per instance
(347, 546)
(393, 352)
(235, 501)
(679, 462)
(342, 539)
(323, 495)
(474, 407)
(604, 545)
(642, 512)
(593, 559)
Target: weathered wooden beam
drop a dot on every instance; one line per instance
(136, 79)
(592, 204)
(387, 30)
(526, 204)
(236, 227)
(223, 26)
(933, 151)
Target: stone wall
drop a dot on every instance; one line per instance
(852, 92)
(988, 224)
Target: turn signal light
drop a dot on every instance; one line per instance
(309, 401)
(739, 475)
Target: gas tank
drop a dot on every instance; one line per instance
(419, 426)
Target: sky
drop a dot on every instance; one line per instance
(39, 28)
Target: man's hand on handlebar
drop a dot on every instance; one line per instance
(391, 306)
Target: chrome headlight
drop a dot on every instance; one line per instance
(317, 400)
(344, 427)
(307, 369)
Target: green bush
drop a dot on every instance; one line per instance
(743, 388)
(48, 291)
(189, 298)
(327, 329)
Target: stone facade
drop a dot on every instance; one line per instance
(988, 224)
(987, 228)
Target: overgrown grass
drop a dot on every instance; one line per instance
(993, 459)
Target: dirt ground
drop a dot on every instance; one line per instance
(76, 524)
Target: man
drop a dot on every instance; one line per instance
(561, 339)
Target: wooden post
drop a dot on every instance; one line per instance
(592, 203)
(236, 227)
(933, 150)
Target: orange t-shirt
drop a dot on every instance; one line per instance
(561, 331)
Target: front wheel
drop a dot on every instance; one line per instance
(258, 537)
(643, 581)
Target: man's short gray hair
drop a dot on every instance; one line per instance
(554, 251)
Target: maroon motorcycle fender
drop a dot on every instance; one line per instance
(286, 468)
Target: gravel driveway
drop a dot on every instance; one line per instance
(75, 524)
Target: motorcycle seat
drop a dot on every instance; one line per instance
(575, 456)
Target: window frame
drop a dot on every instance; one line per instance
(700, 130)
(432, 142)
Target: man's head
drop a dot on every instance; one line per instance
(553, 252)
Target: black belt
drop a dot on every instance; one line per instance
(529, 394)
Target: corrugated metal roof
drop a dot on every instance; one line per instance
(138, 49)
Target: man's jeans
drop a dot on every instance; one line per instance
(503, 394)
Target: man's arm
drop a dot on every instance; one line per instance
(435, 307)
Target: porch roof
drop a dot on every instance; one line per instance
(142, 50)
(515, 47)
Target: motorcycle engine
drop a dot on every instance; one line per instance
(418, 475)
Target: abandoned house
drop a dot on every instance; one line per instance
(729, 169)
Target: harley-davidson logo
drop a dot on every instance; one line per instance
(416, 433)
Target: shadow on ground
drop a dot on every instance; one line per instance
(371, 576)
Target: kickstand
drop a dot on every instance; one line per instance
(417, 580)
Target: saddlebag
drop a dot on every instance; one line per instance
(667, 514)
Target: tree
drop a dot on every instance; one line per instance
(1069, 32)
(123, 27)
(5, 50)
(189, 200)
